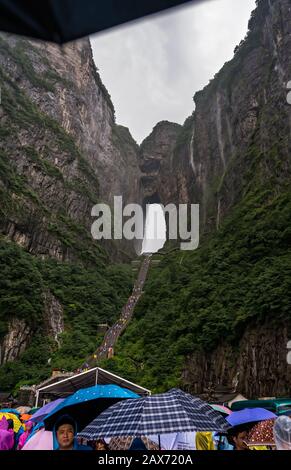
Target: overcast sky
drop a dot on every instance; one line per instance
(153, 67)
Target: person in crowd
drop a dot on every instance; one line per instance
(100, 444)
(137, 444)
(282, 433)
(6, 435)
(24, 436)
(221, 441)
(237, 436)
(64, 432)
(204, 441)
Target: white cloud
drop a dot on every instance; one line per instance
(153, 67)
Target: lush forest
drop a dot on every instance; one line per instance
(89, 296)
(239, 276)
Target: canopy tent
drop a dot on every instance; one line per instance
(66, 20)
(94, 376)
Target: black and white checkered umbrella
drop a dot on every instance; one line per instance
(171, 412)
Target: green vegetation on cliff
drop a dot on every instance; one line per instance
(88, 296)
(239, 276)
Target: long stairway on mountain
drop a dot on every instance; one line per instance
(106, 349)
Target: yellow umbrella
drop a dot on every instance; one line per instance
(16, 421)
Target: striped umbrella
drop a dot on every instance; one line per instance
(174, 411)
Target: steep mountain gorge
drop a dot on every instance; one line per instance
(241, 126)
(219, 317)
(61, 152)
(215, 318)
(156, 154)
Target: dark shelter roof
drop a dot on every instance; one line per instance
(65, 20)
(69, 385)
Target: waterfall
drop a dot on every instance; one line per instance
(219, 130)
(192, 152)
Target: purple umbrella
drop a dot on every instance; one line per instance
(45, 410)
(249, 415)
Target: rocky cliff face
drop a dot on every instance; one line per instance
(239, 138)
(158, 180)
(256, 367)
(209, 161)
(20, 332)
(61, 151)
(53, 316)
(241, 119)
(229, 302)
(16, 340)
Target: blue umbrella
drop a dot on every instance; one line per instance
(165, 413)
(87, 403)
(10, 410)
(249, 415)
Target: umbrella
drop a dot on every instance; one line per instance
(17, 424)
(65, 20)
(87, 403)
(25, 417)
(261, 434)
(222, 409)
(41, 440)
(174, 411)
(34, 410)
(10, 410)
(249, 415)
(40, 414)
